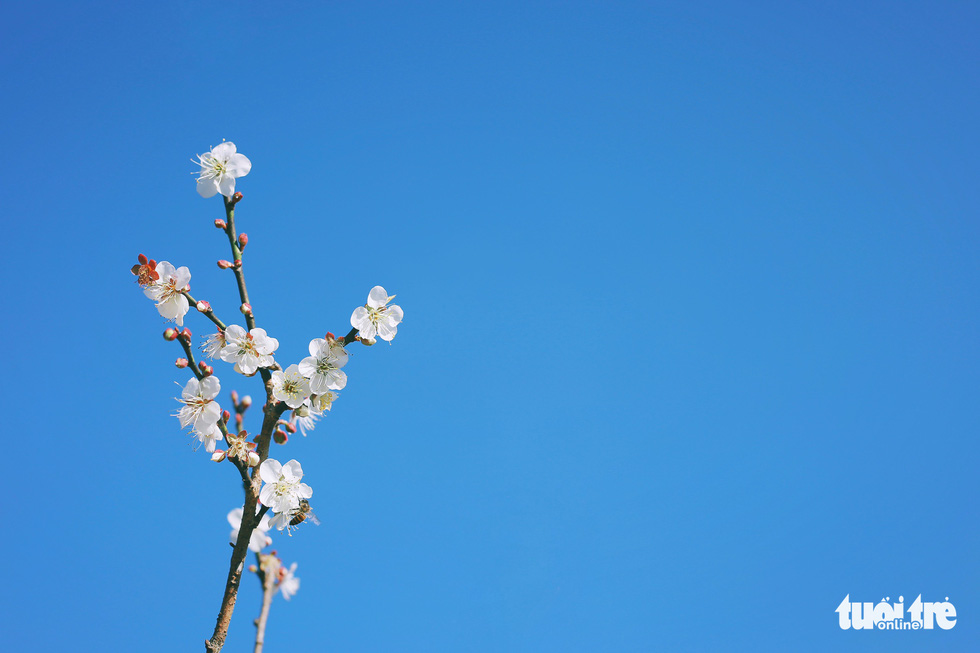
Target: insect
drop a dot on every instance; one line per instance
(303, 513)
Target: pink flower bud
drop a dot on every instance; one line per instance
(236, 198)
(246, 401)
(223, 264)
(242, 240)
(220, 224)
(218, 455)
(237, 264)
(204, 307)
(253, 459)
(225, 416)
(186, 334)
(253, 568)
(181, 363)
(170, 335)
(234, 397)
(206, 369)
(246, 309)
(280, 437)
(290, 427)
(238, 421)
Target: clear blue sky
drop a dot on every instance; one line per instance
(690, 348)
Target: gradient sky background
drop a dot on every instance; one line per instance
(690, 348)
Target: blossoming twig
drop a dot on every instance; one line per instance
(208, 313)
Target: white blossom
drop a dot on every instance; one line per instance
(376, 317)
(283, 487)
(259, 539)
(239, 447)
(213, 344)
(219, 169)
(200, 409)
(288, 582)
(248, 350)
(209, 438)
(322, 366)
(304, 419)
(166, 291)
(290, 386)
(322, 402)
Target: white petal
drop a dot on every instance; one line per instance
(377, 297)
(315, 345)
(304, 491)
(239, 165)
(270, 471)
(223, 151)
(395, 313)
(210, 387)
(307, 366)
(292, 470)
(227, 185)
(387, 330)
(338, 380)
(207, 187)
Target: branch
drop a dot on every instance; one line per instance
(236, 254)
(268, 591)
(350, 337)
(208, 313)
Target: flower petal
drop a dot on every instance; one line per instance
(223, 151)
(207, 187)
(377, 297)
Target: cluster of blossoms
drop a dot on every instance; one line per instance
(306, 389)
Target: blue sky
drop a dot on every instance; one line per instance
(689, 349)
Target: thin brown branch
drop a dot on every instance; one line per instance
(208, 313)
(268, 591)
(236, 254)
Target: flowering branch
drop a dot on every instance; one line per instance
(205, 308)
(307, 389)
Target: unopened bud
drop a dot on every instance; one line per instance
(234, 397)
(170, 335)
(206, 369)
(290, 427)
(367, 342)
(253, 459)
(238, 420)
(225, 416)
(181, 363)
(246, 401)
(220, 224)
(218, 455)
(223, 264)
(280, 437)
(242, 240)
(186, 334)
(246, 309)
(237, 264)
(204, 307)
(236, 198)
(253, 568)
